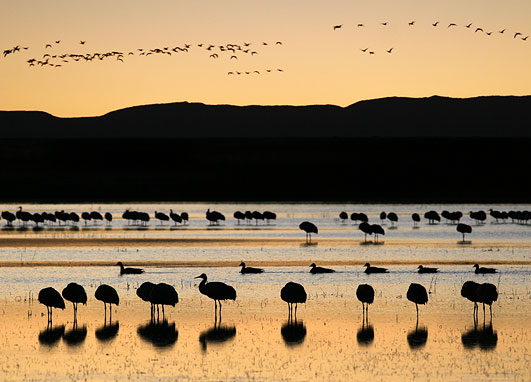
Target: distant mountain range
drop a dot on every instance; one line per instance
(493, 116)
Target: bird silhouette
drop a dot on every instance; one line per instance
(384, 24)
(9, 217)
(51, 299)
(309, 228)
(369, 269)
(478, 30)
(517, 34)
(422, 269)
(469, 291)
(417, 294)
(338, 26)
(452, 25)
(411, 23)
(377, 229)
(483, 270)
(390, 50)
(175, 217)
(315, 269)
(144, 292)
(366, 228)
(364, 50)
(108, 217)
(163, 294)
(217, 291)
(365, 294)
(360, 25)
(416, 219)
(162, 217)
(76, 294)
(468, 25)
(238, 215)
(435, 24)
(502, 31)
(108, 295)
(463, 229)
(487, 294)
(525, 38)
(129, 271)
(293, 293)
(246, 269)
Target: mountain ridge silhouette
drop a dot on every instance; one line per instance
(391, 117)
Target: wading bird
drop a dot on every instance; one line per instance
(217, 291)
(163, 294)
(51, 298)
(108, 295)
(417, 294)
(76, 294)
(365, 294)
(309, 228)
(469, 291)
(463, 229)
(293, 293)
(487, 294)
(144, 292)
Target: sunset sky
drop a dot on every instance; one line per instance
(320, 65)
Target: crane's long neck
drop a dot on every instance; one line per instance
(202, 286)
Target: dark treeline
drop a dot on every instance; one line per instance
(245, 169)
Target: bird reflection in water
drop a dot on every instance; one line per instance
(107, 332)
(159, 333)
(75, 336)
(365, 335)
(417, 337)
(51, 335)
(216, 335)
(293, 332)
(484, 337)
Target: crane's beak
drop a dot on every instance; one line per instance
(198, 277)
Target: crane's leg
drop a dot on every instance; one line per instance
(110, 313)
(296, 311)
(416, 305)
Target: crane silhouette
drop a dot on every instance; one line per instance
(309, 228)
(416, 219)
(108, 217)
(175, 217)
(315, 269)
(217, 291)
(487, 294)
(469, 291)
(246, 269)
(144, 292)
(417, 294)
(108, 295)
(293, 293)
(365, 294)
(162, 217)
(51, 298)
(238, 215)
(163, 294)
(129, 271)
(76, 294)
(463, 229)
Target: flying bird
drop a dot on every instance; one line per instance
(384, 24)
(360, 25)
(231, 57)
(82, 42)
(502, 31)
(335, 27)
(468, 26)
(364, 50)
(517, 34)
(478, 30)
(452, 25)
(525, 38)
(411, 23)
(278, 43)
(435, 23)
(390, 50)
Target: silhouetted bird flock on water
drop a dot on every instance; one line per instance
(161, 294)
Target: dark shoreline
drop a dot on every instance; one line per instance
(359, 170)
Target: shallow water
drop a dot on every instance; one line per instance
(329, 340)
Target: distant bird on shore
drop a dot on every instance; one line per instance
(416, 219)
(422, 269)
(365, 294)
(76, 294)
(417, 294)
(108, 295)
(162, 217)
(463, 229)
(245, 269)
(369, 269)
(315, 269)
(129, 271)
(483, 270)
(217, 291)
(308, 228)
(51, 298)
(293, 293)
(108, 217)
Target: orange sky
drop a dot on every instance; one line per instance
(319, 65)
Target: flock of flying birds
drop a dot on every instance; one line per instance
(230, 51)
(437, 24)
